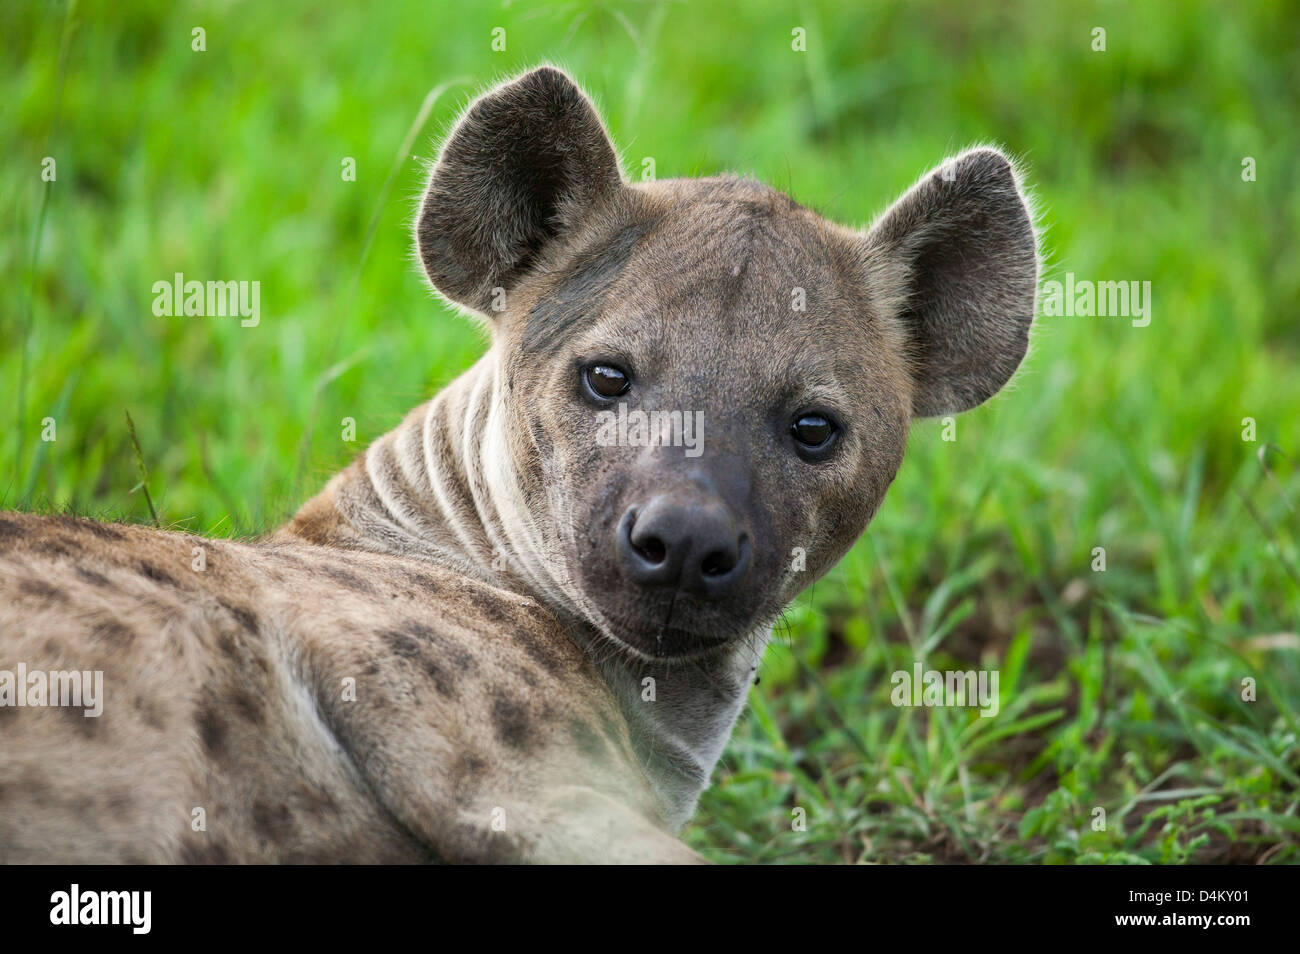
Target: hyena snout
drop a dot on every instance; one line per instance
(687, 540)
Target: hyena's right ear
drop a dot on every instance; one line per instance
(525, 162)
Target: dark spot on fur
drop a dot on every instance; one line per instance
(286, 555)
(472, 766)
(543, 654)
(149, 713)
(425, 582)
(488, 606)
(113, 632)
(157, 575)
(212, 730)
(94, 528)
(420, 631)
(91, 577)
(204, 852)
(316, 801)
(9, 530)
(510, 718)
(407, 647)
(51, 548)
(542, 650)
(441, 681)
(241, 652)
(242, 615)
(401, 644)
(460, 657)
(88, 726)
(248, 706)
(346, 578)
(272, 822)
(120, 802)
(41, 590)
(34, 784)
(504, 617)
(465, 773)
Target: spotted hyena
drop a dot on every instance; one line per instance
(521, 625)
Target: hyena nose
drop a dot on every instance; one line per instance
(694, 545)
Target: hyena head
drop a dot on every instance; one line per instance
(703, 389)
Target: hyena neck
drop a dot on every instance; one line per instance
(681, 714)
(438, 487)
(419, 490)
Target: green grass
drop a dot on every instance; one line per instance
(1120, 689)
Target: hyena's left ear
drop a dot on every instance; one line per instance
(525, 163)
(955, 261)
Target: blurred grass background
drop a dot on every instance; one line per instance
(1121, 690)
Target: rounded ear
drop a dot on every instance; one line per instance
(526, 161)
(955, 261)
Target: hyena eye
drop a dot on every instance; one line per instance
(606, 380)
(814, 433)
